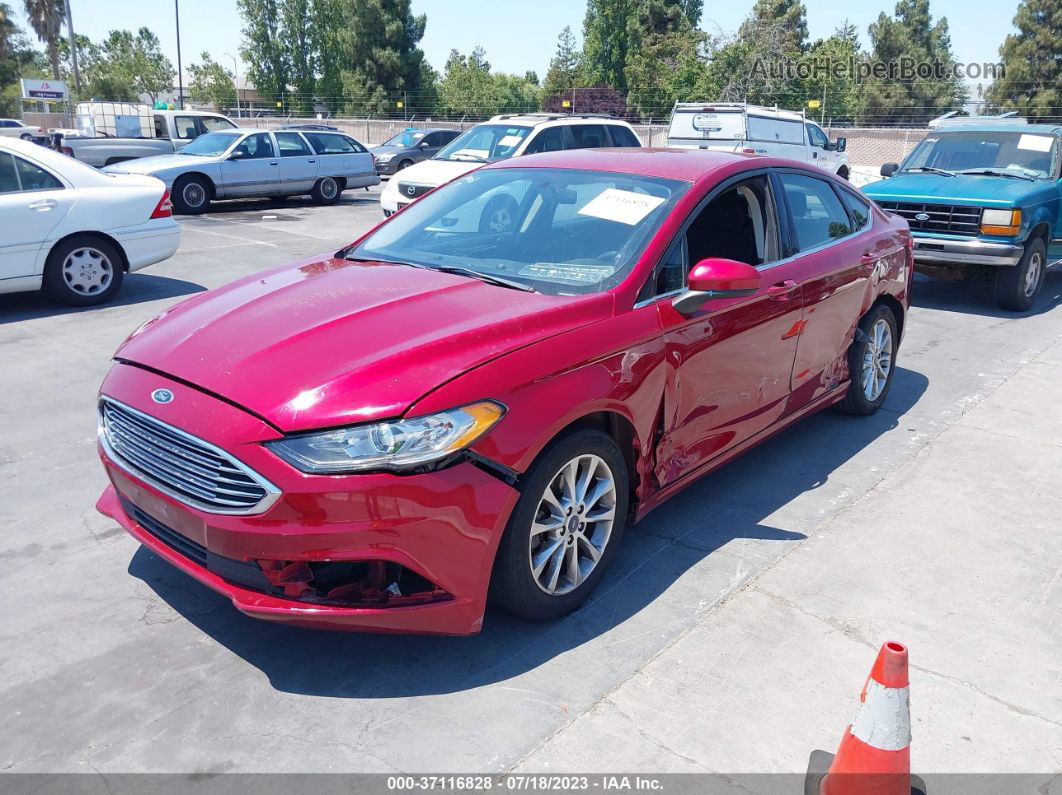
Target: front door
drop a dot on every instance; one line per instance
(252, 167)
(32, 203)
(731, 361)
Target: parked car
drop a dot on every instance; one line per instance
(172, 129)
(409, 147)
(244, 163)
(982, 196)
(74, 230)
(13, 128)
(500, 138)
(378, 438)
(753, 129)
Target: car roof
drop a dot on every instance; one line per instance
(683, 164)
(541, 119)
(1001, 126)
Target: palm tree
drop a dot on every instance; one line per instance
(46, 19)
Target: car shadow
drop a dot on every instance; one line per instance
(137, 288)
(736, 502)
(351, 197)
(978, 296)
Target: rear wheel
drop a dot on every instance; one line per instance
(26, 137)
(191, 194)
(83, 271)
(565, 528)
(325, 191)
(871, 362)
(1018, 286)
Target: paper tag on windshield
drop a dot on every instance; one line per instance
(623, 206)
(509, 140)
(1035, 143)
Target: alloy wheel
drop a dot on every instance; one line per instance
(877, 360)
(573, 524)
(1032, 274)
(500, 220)
(87, 271)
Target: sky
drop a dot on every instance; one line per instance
(518, 36)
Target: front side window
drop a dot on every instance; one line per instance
(549, 140)
(330, 144)
(589, 136)
(254, 147)
(185, 127)
(816, 213)
(816, 136)
(210, 145)
(999, 153)
(558, 231)
(34, 177)
(405, 139)
(8, 177)
(485, 143)
(215, 123)
(292, 145)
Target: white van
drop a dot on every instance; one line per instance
(738, 127)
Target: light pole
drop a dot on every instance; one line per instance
(235, 82)
(180, 76)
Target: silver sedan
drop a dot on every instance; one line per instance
(247, 163)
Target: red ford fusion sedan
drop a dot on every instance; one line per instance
(480, 395)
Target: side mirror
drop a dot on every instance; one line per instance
(423, 145)
(841, 144)
(237, 155)
(717, 278)
(888, 169)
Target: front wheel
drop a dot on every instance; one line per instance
(499, 215)
(1018, 286)
(191, 195)
(565, 528)
(871, 362)
(326, 191)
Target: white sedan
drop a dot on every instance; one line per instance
(75, 231)
(13, 128)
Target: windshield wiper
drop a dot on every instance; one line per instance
(934, 169)
(995, 172)
(489, 278)
(462, 155)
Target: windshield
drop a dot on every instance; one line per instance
(405, 139)
(713, 125)
(1013, 152)
(486, 143)
(559, 231)
(211, 144)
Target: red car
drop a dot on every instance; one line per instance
(452, 408)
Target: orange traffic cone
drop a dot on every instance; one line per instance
(874, 757)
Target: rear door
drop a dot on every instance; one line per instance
(341, 156)
(252, 168)
(298, 163)
(588, 136)
(33, 202)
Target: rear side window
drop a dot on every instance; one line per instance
(328, 144)
(34, 177)
(588, 136)
(621, 136)
(859, 209)
(292, 145)
(817, 214)
(8, 178)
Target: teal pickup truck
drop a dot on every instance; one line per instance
(981, 197)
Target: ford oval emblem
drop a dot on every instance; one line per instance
(922, 217)
(162, 396)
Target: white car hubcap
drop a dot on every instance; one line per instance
(87, 271)
(572, 524)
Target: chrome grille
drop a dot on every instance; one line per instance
(180, 465)
(952, 219)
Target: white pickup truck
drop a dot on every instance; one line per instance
(172, 129)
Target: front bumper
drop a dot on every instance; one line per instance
(947, 251)
(443, 526)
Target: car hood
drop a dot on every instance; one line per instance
(936, 188)
(437, 172)
(385, 150)
(149, 165)
(328, 342)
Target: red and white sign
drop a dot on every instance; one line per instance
(52, 90)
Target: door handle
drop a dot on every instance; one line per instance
(867, 260)
(311, 160)
(43, 205)
(273, 162)
(782, 291)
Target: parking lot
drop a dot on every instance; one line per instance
(114, 661)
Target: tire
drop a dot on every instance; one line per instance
(1018, 286)
(325, 191)
(514, 583)
(83, 271)
(499, 215)
(404, 164)
(843, 173)
(26, 137)
(191, 194)
(876, 330)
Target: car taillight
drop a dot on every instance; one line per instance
(164, 209)
(66, 150)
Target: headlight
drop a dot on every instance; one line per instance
(400, 444)
(384, 158)
(1006, 223)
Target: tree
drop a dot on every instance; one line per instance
(137, 62)
(789, 15)
(563, 73)
(211, 82)
(264, 48)
(910, 39)
(1032, 62)
(469, 87)
(46, 19)
(378, 42)
(840, 94)
(299, 52)
(605, 42)
(17, 58)
(669, 68)
(326, 21)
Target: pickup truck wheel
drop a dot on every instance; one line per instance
(325, 191)
(1018, 286)
(191, 195)
(83, 271)
(871, 363)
